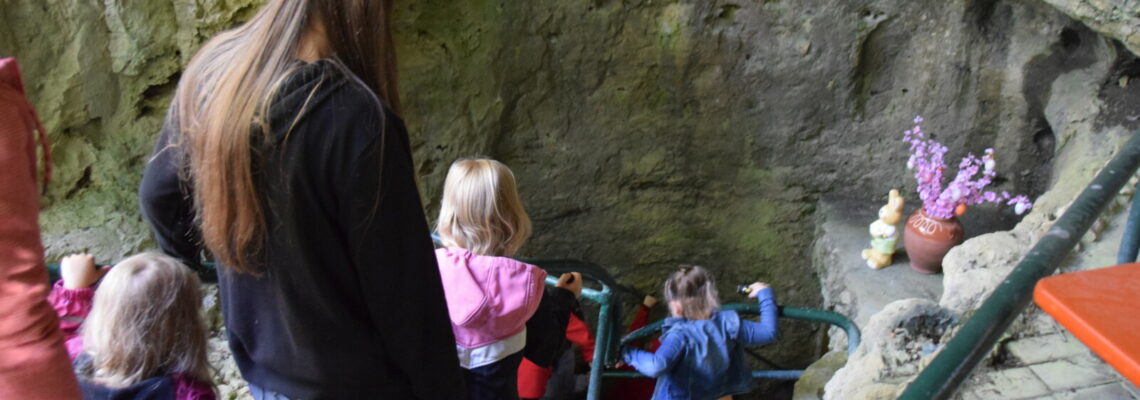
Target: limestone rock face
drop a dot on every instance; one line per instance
(811, 383)
(1117, 19)
(101, 74)
(1079, 103)
(896, 344)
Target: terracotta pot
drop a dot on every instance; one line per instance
(928, 239)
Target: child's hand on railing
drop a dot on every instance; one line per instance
(78, 271)
(755, 288)
(571, 281)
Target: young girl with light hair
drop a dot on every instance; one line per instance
(702, 349)
(499, 308)
(140, 334)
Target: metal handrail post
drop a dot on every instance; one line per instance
(1130, 242)
(602, 344)
(978, 335)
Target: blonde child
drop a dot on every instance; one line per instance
(139, 335)
(498, 306)
(702, 349)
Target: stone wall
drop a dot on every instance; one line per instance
(1118, 19)
(644, 133)
(1090, 108)
(101, 75)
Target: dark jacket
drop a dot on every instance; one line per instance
(348, 303)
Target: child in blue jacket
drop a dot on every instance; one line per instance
(702, 349)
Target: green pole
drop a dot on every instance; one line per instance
(605, 333)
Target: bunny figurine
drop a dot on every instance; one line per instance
(884, 234)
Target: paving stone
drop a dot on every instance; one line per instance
(1014, 383)
(1041, 349)
(1132, 388)
(1112, 391)
(1074, 373)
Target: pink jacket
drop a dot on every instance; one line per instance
(488, 298)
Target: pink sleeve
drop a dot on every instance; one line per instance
(186, 388)
(72, 307)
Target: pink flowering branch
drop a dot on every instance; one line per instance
(927, 161)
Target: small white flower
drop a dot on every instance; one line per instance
(1019, 208)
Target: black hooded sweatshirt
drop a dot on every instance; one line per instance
(348, 302)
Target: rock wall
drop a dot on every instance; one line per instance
(644, 133)
(101, 74)
(1090, 108)
(1118, 19)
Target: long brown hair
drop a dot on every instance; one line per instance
(224, 97)
(146, 321)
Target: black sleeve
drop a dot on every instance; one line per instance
(166, 201)
(546, 329)
(395, 261)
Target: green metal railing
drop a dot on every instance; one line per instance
(978, 335)
(609, 322)
(609, 311)
(1130, 241)
(806, 314)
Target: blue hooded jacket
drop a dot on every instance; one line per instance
(704, 359)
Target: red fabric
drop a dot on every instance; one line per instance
(637, 388)
(33, 362)
(578, 332)
(532, 378)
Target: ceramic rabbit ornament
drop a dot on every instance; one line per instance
(884, 234)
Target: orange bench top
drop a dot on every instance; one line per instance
(1100, 307)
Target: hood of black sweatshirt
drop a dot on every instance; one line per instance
(303, 90)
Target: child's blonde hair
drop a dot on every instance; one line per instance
(481, 209)
(693, 287)
(145, 322)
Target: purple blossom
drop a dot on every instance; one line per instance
(927, 161)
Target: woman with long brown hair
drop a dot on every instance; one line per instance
(283, 155)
